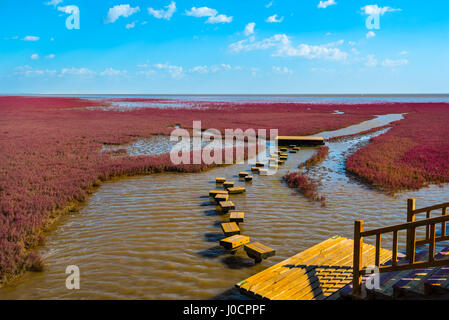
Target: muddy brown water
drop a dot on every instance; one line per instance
(156, 236)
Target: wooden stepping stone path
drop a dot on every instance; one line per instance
(230, 228)
(226, 205)
(255, 169)
(234, 242)
(258, 251)
(221, 197)
(236, 190)
(237, 216)
(248, 178)
(260, 164)
(228, 184)
(213, 193)
(220, 180)
(243, 174)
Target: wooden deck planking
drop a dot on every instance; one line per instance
(315, 273)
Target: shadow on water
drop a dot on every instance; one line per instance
(213, 252)
(231, 294)
(237, 262)
(213, 236)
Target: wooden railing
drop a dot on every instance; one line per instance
(410, 227)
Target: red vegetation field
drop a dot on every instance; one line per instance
(414, 153)
(50, 151)
(322, 154)
(305, 185)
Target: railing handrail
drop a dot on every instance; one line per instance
(411, 242)
(405, 226)
(430, 208)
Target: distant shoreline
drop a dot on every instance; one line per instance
(374, 95)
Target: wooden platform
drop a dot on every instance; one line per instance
(230, 228)
(236, 216)
(220, 180)
(314, 274)
(213, 193)
(259, 251)
(300, 141)
(221, 197)
(228, 184)
(243, 174)
(234, 242)
(236, 190)
(226, 205)
(248, 178)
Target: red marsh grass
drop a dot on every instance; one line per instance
(318, 157)
(305, 185)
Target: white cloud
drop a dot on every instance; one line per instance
(204, 69)
(27, 71)
(176, 72)
(77, 72)
(130, 25)
(281, 70)
(394, 63)
(50, 56)
(164, 14)
(213, 15)
(325, 4)
(370, 61)
(249, 29)
(374, 9)
(34, 56)
(284, 48)
(31, 38)
(274, 19)
(110, 72)
(370, 34)
(201, 12)
(123, 10)
(53, 3)
(403, 53)
(221, 18)
(269, 4)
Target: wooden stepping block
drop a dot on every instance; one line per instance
(280, 162)
(248, 178)
(230, 228)
(236, 216)
(281, 158)
(213, 193)
(228, 184)
(260, 164)
(243, 174)
(221, 197)
(263, 172)
(255, 169)
(292, 146)
(258, 251)
(297, 148)
(226, 205)
(283, 149)
(236, 190)
(293, 151)
(234, 242)
(220, 180)
(283, 154)
(274, 155)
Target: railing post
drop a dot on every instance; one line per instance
(410, 218)
(357, 256)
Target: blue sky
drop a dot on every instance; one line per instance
(224, 47)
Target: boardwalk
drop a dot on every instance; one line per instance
(314, 274)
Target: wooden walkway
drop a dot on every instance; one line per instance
(314, 274)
